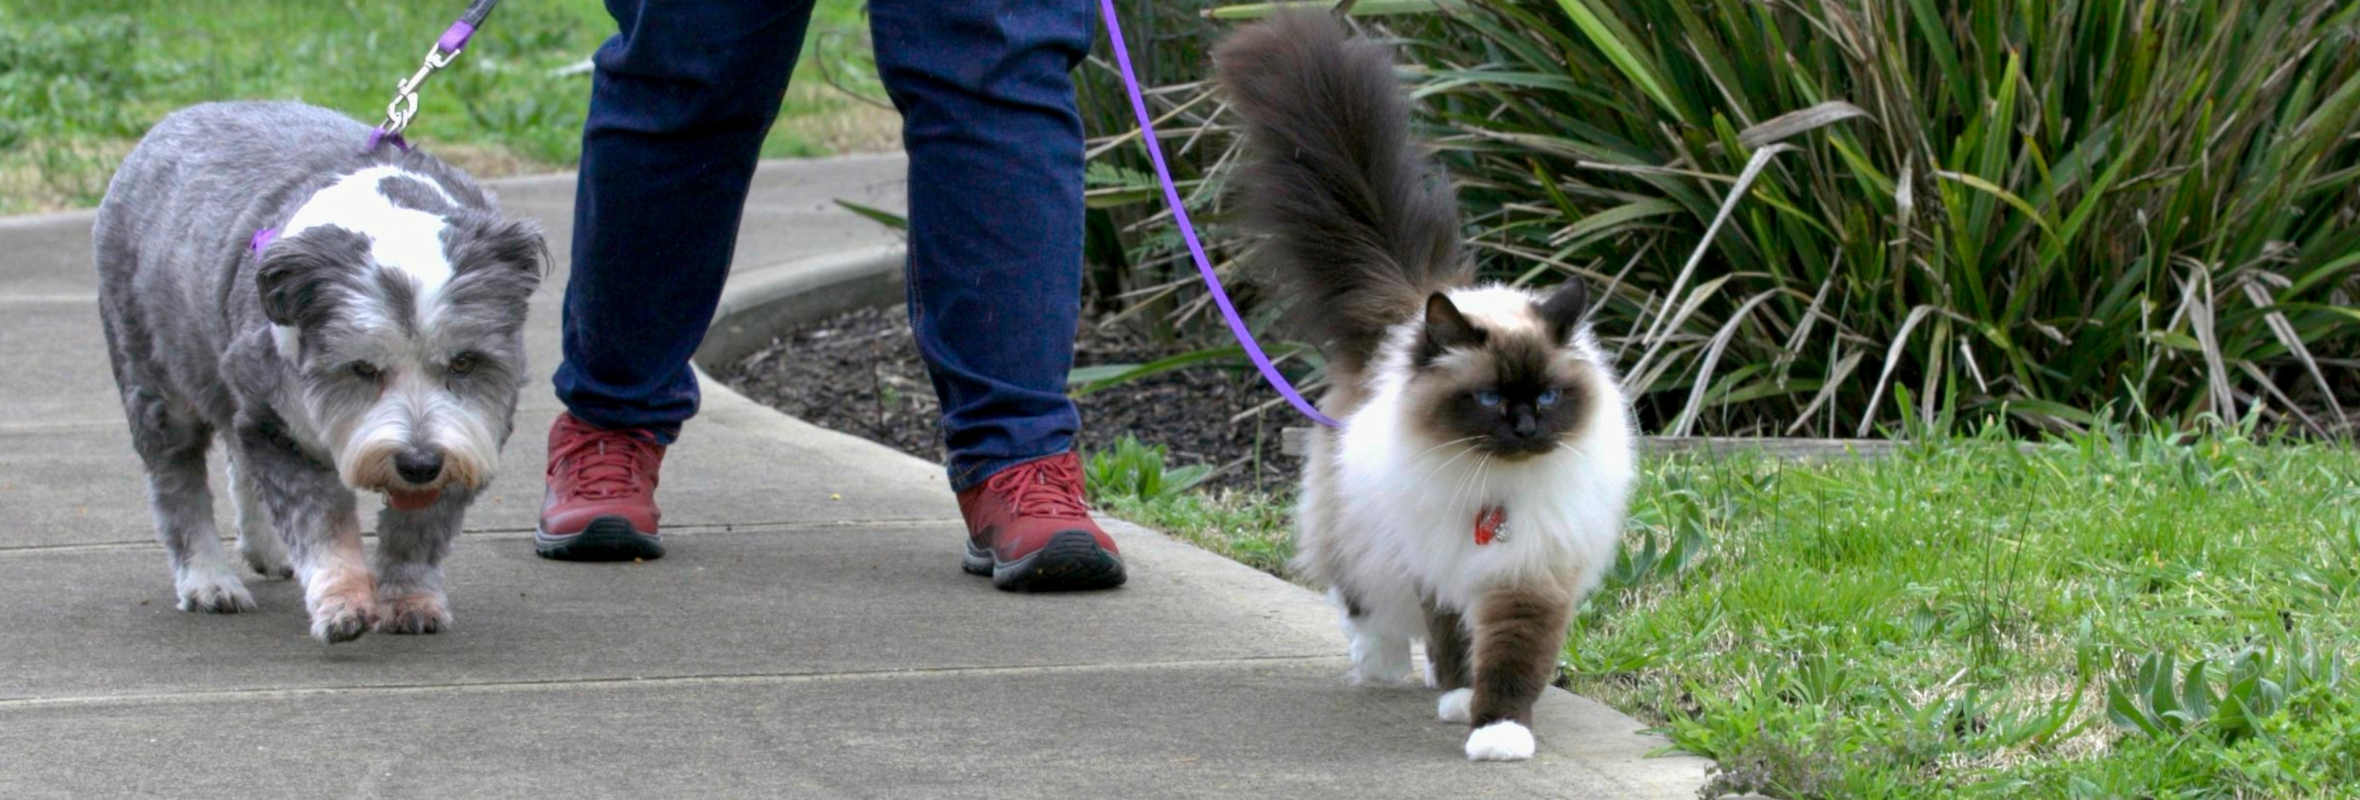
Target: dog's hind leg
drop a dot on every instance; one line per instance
(410, 550)
(315, 515)
(172, 445)
(257, 541)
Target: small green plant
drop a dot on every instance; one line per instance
(2254, 683)
(1135, 472)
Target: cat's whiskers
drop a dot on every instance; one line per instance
(1458, 489)
(1453, 459)
(1462, 439)
(1483, 490)
(1478, 478)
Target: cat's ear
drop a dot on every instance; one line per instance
(1563, 309)
(1445, 328)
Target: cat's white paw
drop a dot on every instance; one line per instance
(1505, 740)
(1380, 672)
(1380, 661)
(1377, 675)
(1456, 706)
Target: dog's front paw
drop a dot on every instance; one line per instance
(423, 612)
(1456, 706)
(212, 589)
(1505, 740)
(276, 572)
(343, 614)
(268, 563)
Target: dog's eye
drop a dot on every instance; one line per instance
(463, 363)
(1487, 398)
(1547, 398)
(364, 370)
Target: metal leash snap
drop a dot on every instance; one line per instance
(404, 108)
(405, 94)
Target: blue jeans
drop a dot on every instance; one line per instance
(680, 102)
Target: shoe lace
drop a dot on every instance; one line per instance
(604, 464)
(1045, 488)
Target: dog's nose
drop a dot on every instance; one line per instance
(418, 466)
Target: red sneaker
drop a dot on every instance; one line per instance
(1028, 528)
(601, 502)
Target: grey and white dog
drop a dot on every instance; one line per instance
(374, 344)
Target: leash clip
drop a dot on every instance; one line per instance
(405, 94)
(404, 107)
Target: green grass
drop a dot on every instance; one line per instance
(81, 79)
(1967, 619)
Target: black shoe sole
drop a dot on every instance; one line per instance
(1072, 561)
(604, 539)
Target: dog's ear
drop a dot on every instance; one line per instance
(295, 270)
(507, 244)
(1565, 307)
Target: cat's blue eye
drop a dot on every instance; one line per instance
(1488, 398)
(1547, 398)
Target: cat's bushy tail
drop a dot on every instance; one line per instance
(1361, 226)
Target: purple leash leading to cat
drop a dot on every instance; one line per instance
(1204, 267)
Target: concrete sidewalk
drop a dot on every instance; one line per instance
(810, 634)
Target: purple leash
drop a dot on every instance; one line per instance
(405, 98)
(1155, 153)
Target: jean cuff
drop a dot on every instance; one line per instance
(660, 434)
(969, 473)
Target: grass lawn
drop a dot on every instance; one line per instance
(1966, 619)
(81, 79)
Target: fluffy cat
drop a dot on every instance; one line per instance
(1477, 487)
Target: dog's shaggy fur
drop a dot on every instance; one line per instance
(375, 345)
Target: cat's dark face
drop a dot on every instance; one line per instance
(1503, 379)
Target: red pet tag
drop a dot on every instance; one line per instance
(1491, 524)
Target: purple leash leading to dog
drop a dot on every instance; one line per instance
(404, 107)
(1204, 267)
(405, 98)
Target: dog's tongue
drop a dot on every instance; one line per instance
(411, 501)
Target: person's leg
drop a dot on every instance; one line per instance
(986, 94)
(995, 272)
(680, 100)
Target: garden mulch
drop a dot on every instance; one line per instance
(859, 373)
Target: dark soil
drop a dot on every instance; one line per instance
(859, 373)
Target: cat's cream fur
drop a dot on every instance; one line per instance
(1389, 506)
(1454, 398)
